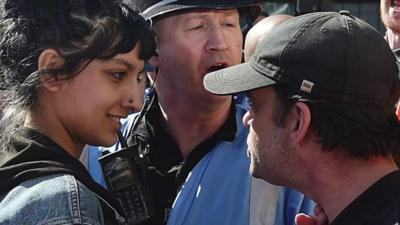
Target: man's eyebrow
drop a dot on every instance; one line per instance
(230, 12)
(201, 15)
(192, 17)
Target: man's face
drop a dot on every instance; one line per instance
(193, 43)
(267, 142)
(390, 14)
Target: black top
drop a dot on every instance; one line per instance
(396, 53)
(38, 156)
(378, 205)
(168, 169)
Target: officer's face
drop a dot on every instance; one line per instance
(193, 43)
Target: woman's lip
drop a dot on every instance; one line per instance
(115, 118)
(115, 121)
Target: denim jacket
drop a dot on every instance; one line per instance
(54, 199)
(42, 184)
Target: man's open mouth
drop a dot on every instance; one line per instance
(216, 67)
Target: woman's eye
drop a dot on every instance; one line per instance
(118, 75)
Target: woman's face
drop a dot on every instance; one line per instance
(90, 105)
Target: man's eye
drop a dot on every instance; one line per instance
(251, 104)
(229, 24)
(197, 27)
(118, 75)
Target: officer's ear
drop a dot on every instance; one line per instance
(154, 61)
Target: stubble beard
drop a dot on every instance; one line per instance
(266, 159)
(255, 159)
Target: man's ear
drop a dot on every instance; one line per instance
(154, 60)
(49, 59)
(301, 121)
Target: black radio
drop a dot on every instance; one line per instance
(125, 172)
(125, 175)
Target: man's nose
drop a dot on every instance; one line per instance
(217, 39)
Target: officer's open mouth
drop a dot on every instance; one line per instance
(216, 67)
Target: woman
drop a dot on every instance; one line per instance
(71, 70)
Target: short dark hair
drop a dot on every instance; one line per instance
(360, 131)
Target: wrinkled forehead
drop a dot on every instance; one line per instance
(183, 15)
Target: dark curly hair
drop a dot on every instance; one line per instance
(79, 30)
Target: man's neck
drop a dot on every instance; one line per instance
(191, 124)
(393, 39)
(335, 184)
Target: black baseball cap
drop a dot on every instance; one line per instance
(162, 7)
(155, 10)
(323, 55)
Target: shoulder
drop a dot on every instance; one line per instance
(55, 199)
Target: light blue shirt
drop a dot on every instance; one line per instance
(220, 190)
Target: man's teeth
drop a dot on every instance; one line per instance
(216, 67)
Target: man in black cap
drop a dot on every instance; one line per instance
(196, 141)
(322, 88)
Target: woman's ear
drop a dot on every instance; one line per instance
(49, 59)
(301, 121)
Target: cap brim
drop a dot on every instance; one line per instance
(235, 79)
(165, 7)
